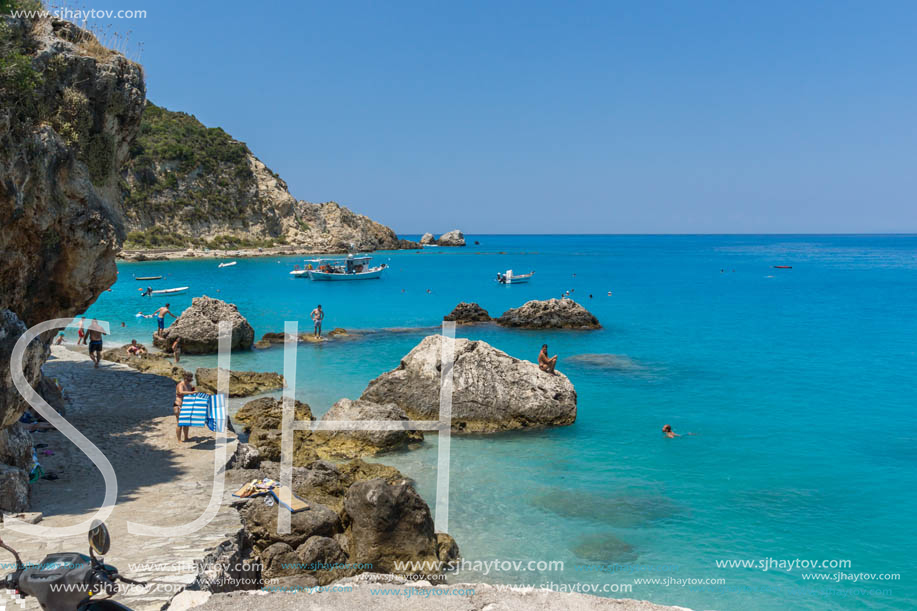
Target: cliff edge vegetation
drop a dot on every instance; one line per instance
(189, 185)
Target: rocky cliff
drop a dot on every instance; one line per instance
(189, 185)
(69, 110)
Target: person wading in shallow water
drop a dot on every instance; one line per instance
(185, 387)
(176, 349)
(545, 363)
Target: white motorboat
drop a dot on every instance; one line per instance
(510, 278)
(227, 264)
(175, 291)
(352, 267)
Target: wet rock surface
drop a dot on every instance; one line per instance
(468, 313)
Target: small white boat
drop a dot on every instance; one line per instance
(300, 273)
(226, 264)
(175, 291)
(510, 278)
(350, 268)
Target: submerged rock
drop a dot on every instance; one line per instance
(550, 314)
(241, 383)
(467, 313)
(492, 391)
(198, 328)
(452, 238)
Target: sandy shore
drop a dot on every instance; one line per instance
(127, 414)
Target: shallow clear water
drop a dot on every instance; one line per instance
(799, 385)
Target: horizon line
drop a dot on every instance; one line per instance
(906, 234)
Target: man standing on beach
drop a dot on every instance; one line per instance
(317, 316)
(95, 342)
(161, 318)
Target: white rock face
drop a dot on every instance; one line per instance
(492, 391)
(427, 238)
(453, 238)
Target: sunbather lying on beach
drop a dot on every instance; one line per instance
(545, 363)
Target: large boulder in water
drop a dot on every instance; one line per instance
(427, 238)
(492, 391)
(468, 313)
(198, 328)
(452, 238)
(550, 314)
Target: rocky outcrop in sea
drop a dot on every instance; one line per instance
(198, 328)
(68, 114)
(452, 238)
(492, 391)
(468, 313)
(549, 314)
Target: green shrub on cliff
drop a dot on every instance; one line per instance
(190, 176)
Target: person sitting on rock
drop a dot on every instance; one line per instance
(135, 349)
(545, 363)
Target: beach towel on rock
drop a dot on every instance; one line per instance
(216, 413)
(193, 410)
(282, 494)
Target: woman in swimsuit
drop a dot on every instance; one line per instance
(185, 387)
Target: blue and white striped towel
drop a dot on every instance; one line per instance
(216, 413)
(193, 410)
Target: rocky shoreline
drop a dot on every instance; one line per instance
(173, 254)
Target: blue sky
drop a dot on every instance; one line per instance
(561, 117)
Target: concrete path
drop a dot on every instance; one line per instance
(161, 482)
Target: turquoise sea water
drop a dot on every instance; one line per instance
(799, 385)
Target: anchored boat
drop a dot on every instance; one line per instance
(510, 278)
(175, 291)
(227, 264)
(352, 267)
(147, 277)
